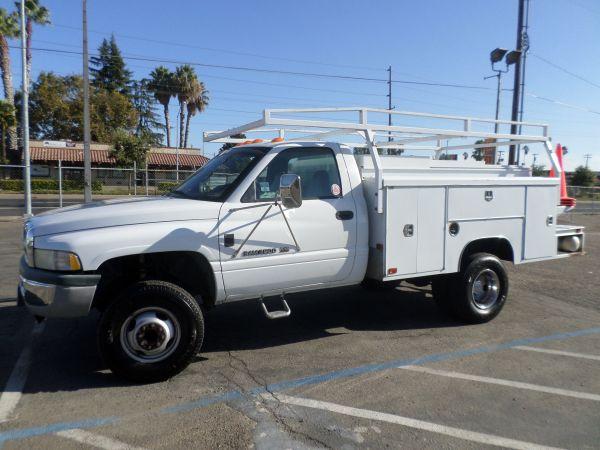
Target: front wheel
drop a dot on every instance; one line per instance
(151, 332)
(478, 293)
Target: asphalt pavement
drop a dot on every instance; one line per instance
(350, 368)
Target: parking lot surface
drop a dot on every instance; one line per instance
(350, 368)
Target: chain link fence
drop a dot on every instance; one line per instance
(60, 185)
(588, 199)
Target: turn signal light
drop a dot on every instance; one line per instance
(257, 141)
(277, 139)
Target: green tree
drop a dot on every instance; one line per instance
(34, 14)
(144, 104)
(477, 154)
(7, 120)
(162, 85)
(228, 145)
(56, 107)
(129, 148)
(197, 103)
(538, 170)
(9, 29)
(111, 111)
(185, 82)
(583, 177)
(109, 71)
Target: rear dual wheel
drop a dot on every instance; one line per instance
(475, 295)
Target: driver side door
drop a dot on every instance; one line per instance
(324, 227)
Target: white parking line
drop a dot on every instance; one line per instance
(558, 352)
(501, 382)
(95, 440)
(459, 433)
(14, 386)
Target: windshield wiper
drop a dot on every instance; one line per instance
(179, 194)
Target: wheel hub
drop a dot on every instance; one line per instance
(150, 335)
(486, 289)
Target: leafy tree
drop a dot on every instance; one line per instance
(110, 111)
(56, 110)
(7, 120)
(109, 71)
(197, 103)
(9, 29)
(538, 170)
(34, 14)
(477, 154)
(129, 148)
(162, 85)
(144, 104)
(186, 84)
(228, 145)
(56, 107)
(583, 177)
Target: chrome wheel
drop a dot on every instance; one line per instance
(486, 289)
(150, 334)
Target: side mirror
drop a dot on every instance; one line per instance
(290, 190)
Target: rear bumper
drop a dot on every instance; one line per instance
(53, 294)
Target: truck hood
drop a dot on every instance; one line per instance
(131, 211)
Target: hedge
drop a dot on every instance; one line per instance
(45, 184)
(166, 186)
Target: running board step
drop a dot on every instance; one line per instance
(279, 314)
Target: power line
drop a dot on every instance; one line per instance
(567, 71)
(567, 105)
(220, 50)
(272, 71)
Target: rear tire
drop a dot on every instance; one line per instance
(478, 293)
(151, 332)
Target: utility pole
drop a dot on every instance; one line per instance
(587, 157)
(517, 84)
(87, 157)
(389, 96)
(25, 117)
(525, 50)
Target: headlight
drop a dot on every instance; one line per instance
(56, 260)
(28, 244)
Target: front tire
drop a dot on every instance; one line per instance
(151, 332)
(478, 293)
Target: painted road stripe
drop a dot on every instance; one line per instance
(509, 383)
(95, 440)
(482, 438)
(558, 352)
(14, 386)
(24, 433)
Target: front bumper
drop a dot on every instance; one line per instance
(55, 294)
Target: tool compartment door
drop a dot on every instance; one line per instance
(415, 230)
(540, 222)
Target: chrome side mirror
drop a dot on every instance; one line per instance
(290, 190)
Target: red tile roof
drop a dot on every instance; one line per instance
(72, 155)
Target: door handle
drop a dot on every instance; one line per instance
(344, 215)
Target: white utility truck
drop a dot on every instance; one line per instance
(296, 214)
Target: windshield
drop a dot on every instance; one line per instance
(220, 176)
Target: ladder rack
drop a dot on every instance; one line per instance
(305, 125)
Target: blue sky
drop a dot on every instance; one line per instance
(430, 40)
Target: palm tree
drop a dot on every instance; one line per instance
(9, 29)
(34, 14)
(196, 104)
(162, 85)
(185, 81)
(7, 120)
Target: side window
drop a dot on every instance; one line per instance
(316, 167)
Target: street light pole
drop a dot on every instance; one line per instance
(25, 117)
(87, 157)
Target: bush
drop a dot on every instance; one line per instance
(166, 186)
(41, 185)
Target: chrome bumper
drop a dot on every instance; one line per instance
(49, 294)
